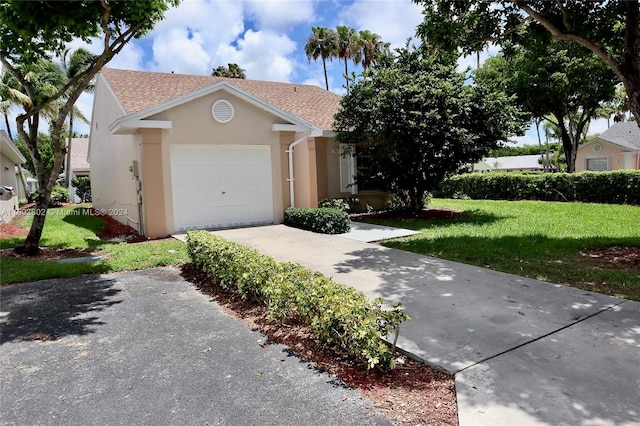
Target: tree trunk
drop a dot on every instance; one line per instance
(632, 86)
(544, 164)
(346, 74)
(326, 79)
(27, 193)
(567, 144)
(67, 172)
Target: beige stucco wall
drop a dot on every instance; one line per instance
(113, 186)
(8, 208)
(612, 152)
(193, 123)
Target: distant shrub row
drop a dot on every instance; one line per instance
(339, 316)
(322, 220)
(617, 187)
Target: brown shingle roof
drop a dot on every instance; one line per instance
(79, 150)
(139, 90)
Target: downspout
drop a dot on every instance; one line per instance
(291, 179)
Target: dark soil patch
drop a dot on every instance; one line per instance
(49, 253)
(424, 214)
(627, 258)
(412, 394)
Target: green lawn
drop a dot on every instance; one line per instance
(541, 240)
(73, 228)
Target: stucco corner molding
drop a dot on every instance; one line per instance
(127, 127)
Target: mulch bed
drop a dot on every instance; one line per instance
(412, 394)
(627, 258)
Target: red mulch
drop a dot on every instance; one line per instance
(116, 231)
(412, 394)
(8, 230)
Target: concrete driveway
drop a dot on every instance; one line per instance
(524, 352)
(145, 347)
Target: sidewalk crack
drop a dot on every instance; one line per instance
(577, 321)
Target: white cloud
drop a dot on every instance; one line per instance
(187, 39)
(280, 15)
(393, 20)
(263, 54)
(181, 51)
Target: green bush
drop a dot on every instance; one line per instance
(322, 220)
(616, 187)
(59, 195)
(339, 316)
(82, 186)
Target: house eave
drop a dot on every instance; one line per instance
(131, 126)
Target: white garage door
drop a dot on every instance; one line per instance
(221, 186)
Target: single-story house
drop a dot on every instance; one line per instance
(514, 163)
(79, 164)
(10, 157)
(171, 152)
(616, 148)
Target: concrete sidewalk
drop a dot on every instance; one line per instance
(522, 351)
(147, 348)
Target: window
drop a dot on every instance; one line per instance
(365, 181)
(597, 147)
(598, 164)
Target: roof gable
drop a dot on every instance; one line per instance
(139, 91)
(626, 135)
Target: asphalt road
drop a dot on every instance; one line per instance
(147, 348)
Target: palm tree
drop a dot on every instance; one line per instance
(322, 43)
(372, 47)
(79, 61)
(233, 71)
(10, 95)
(348, 48)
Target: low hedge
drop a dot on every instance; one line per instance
(322, 220)
(616, 187)
(339, 316)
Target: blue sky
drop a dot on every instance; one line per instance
(264, 37)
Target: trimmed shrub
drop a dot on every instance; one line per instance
(322, 220)
(339, 316)
(59, 195)
(616, 187)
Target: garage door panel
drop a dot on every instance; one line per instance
(221, 186)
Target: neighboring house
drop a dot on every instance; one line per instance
(515, 163)
(172, 152)
(10, 157)
(615, 149)
(79, 164)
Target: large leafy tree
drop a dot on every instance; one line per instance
(554, 80)
(420, 122)
(610, 29)
(232, 71)
(36, 30)
(322, 44)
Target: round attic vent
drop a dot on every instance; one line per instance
(597, 147)
(222, 111)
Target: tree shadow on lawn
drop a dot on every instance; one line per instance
(559, 260)
(474, 217)
(51, 309)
